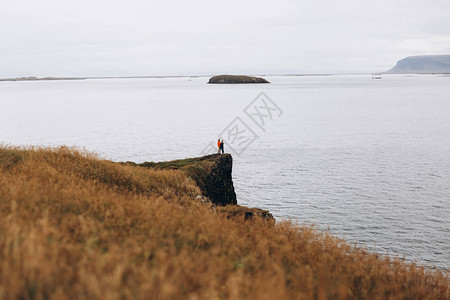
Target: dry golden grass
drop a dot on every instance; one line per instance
(76, 227)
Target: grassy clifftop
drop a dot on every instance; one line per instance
(73, 226)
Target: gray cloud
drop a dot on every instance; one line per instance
(118, 38)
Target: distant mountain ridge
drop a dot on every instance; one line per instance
(422, 64)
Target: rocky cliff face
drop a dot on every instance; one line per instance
(213, 176)
(217, 185)
(212, 173)
(422, 64)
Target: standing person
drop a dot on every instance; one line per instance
(221, 146)
(218, 146)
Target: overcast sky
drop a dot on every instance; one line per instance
(141, 37)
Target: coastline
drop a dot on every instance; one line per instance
(207, 76)
(41, 79)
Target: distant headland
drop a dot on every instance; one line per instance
(224, 79)
(422, 64)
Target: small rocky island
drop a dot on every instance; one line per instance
(230, 79)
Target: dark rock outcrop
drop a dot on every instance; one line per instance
(245, 213)
(221, 79)
(423, 64)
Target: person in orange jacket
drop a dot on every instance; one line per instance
(218, 146)
(221, 146)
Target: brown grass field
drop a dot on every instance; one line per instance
(73, 226)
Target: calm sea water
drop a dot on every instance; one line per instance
(368, 159)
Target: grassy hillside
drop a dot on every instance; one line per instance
(76, 227)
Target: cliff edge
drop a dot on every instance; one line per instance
(212, 173)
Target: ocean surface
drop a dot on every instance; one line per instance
(367, 159)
